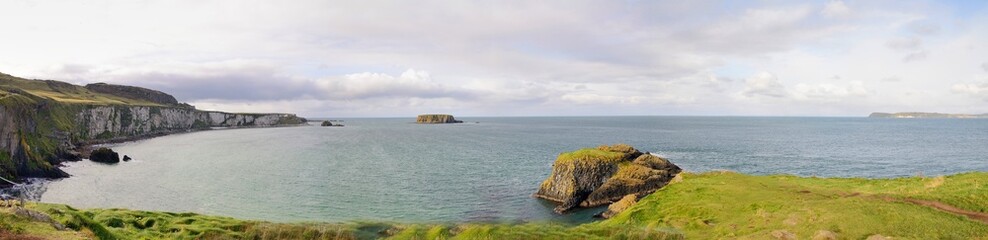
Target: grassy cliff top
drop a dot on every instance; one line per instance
(602, 154)
(714, 205)
(62, 92)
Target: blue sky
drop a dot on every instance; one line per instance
(516, 58)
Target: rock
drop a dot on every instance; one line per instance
(126, 158)
(326, 124)
(39, 217)
(878, 237)
(783, 235)
(617, 207)
(104, 155)
(436, 118)
(600, 176)
(825, 235)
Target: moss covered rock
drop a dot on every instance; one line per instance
(436, 118)
(599, 176)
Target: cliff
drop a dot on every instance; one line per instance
(924, 115)
(600, 176)
(436, 118)
(45, 122)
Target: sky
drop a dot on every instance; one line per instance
(340, 59)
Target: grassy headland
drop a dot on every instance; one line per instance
(696, 206)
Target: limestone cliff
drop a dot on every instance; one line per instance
(603, 175)
(436, 118)
(44, 122)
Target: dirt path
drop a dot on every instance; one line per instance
(977, 216)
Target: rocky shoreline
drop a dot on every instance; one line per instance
(46, 122)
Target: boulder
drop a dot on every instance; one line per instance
(436, 118)
(326, 124)
(617, 207)
(126, 158)
(599, 176)
(104, 155)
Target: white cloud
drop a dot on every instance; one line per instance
(829, 92)
(835, 9)
(905, 43)
(763, 84)
(979, 90)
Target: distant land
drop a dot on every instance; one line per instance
(925, 115)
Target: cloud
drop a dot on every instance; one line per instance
(764, 84)
(905, 43)
(979, 90)
(924, 28)
(829, 92)
(835, 9)
(366, 58)
(916, 56)
(410, 84)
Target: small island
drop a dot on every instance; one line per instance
(924, 115)
(617, 175)
(436, 118)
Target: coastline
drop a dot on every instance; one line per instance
(695, 206)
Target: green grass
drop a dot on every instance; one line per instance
(590, 155)
(731, 205)
(712, 205)
(64, 92)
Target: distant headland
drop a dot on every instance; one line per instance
(925, 115)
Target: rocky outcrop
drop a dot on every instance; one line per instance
(436, 118)
(600, 176)
(617, 207)
(132, 92)
(104, 155)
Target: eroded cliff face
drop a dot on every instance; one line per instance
(114, 122)
(36, 136)
(603, 175)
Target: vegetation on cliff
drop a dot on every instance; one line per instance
(714, 205)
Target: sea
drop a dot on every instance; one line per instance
(486, 169)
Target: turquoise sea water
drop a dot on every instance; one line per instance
(394, 170)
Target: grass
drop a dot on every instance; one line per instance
(64, 92)
(731, 205)
(712, 205)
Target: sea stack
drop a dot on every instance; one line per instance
(600, 176)
(104, 155)
(436, 118)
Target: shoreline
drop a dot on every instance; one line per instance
(81, 152)
(787, 205)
